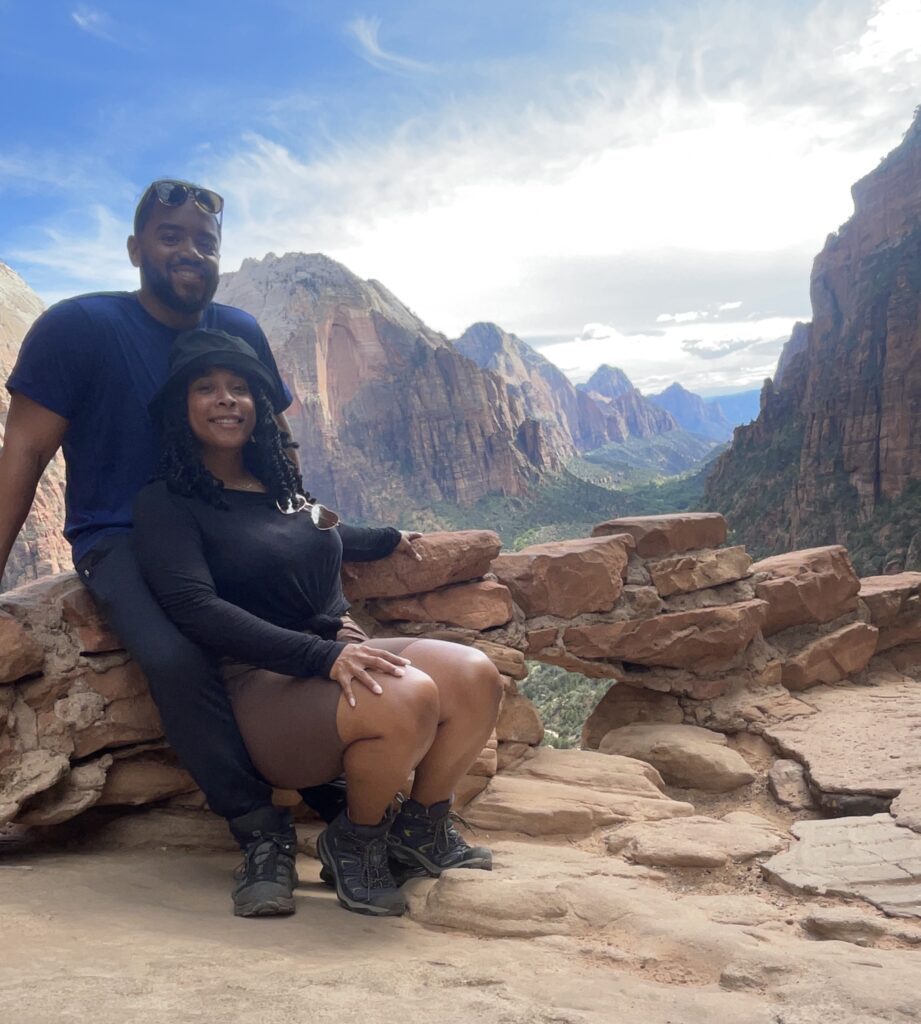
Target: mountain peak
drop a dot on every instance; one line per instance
(609, 381)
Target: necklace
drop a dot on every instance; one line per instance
(246, 485)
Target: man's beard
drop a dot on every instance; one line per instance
(162, 287)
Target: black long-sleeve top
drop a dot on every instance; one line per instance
(248, 581)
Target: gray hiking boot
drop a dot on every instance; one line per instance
(425, 837)
(355, 856)
(267, 876)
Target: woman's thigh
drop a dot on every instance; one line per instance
(454, 668)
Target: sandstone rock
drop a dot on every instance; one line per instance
(893, 604)
(746, 707)
(686, 755)
(832, 657)
(697, 570)
(128, 715)
(566, 578)
(20, 655)
(538, 639)
(27, 776)
(468, 787)
(509, 753)
(693, 640)
(477, 605)
(814, 585)
(906, 808)
(788, 786)
(861, 747)
(847, 924)
(868, 857)
(885, 597)
(555, 794)
(695, 841)
(519, 721)
(487, 760)
(624, 705)
(669, 534)
(595, 669)
(446, 558)
(144, 777)
(77, 791)
(508, 661)
(587, 768)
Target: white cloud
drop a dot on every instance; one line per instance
(94, 21)
(893, 35)
(704, 357)
(735, 145)
(365, 32)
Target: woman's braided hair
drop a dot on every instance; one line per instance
(264, 455)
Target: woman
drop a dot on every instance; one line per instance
(248, 566)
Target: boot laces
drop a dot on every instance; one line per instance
(260, 859)
(447, 838)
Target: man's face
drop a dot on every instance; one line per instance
(178, 253)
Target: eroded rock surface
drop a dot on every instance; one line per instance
(572, 793)
(695, 842)
(862, 747)
(869, 857)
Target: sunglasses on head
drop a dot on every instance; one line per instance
(176, 193)
(323, 518)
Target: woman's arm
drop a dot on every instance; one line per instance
(170, 550)
(367, 543)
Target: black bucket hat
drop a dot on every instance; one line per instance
(198, 350)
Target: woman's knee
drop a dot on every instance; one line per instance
(481, 679)
(412, 702)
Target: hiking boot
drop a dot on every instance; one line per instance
(267, 876)
(356, 858)
(425, 837)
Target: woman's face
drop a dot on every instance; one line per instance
(222, 412)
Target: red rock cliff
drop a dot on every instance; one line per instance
(385, 409)
(41, 548)
(835, 455)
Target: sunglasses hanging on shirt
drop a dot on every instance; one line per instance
(323, 518)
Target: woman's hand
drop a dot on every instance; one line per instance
(405, 547)
(355, 663)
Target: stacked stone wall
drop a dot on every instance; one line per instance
(685, 630)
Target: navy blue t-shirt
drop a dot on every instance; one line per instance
(97, 360)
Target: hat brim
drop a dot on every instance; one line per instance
(247, 366)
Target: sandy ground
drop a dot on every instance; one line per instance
(114, 935)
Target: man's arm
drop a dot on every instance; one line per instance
(33, 434)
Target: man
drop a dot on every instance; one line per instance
(85, 374)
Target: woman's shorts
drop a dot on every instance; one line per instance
(288, 723)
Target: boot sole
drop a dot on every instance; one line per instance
(329, 876)
(278, 906)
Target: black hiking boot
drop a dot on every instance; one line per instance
(267, 876)
(356, 858)
(425, 837)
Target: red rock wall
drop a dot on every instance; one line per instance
(684, 628)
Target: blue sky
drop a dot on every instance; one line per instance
(644, 184)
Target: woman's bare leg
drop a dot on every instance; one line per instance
(386, 735)
(469, 691)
